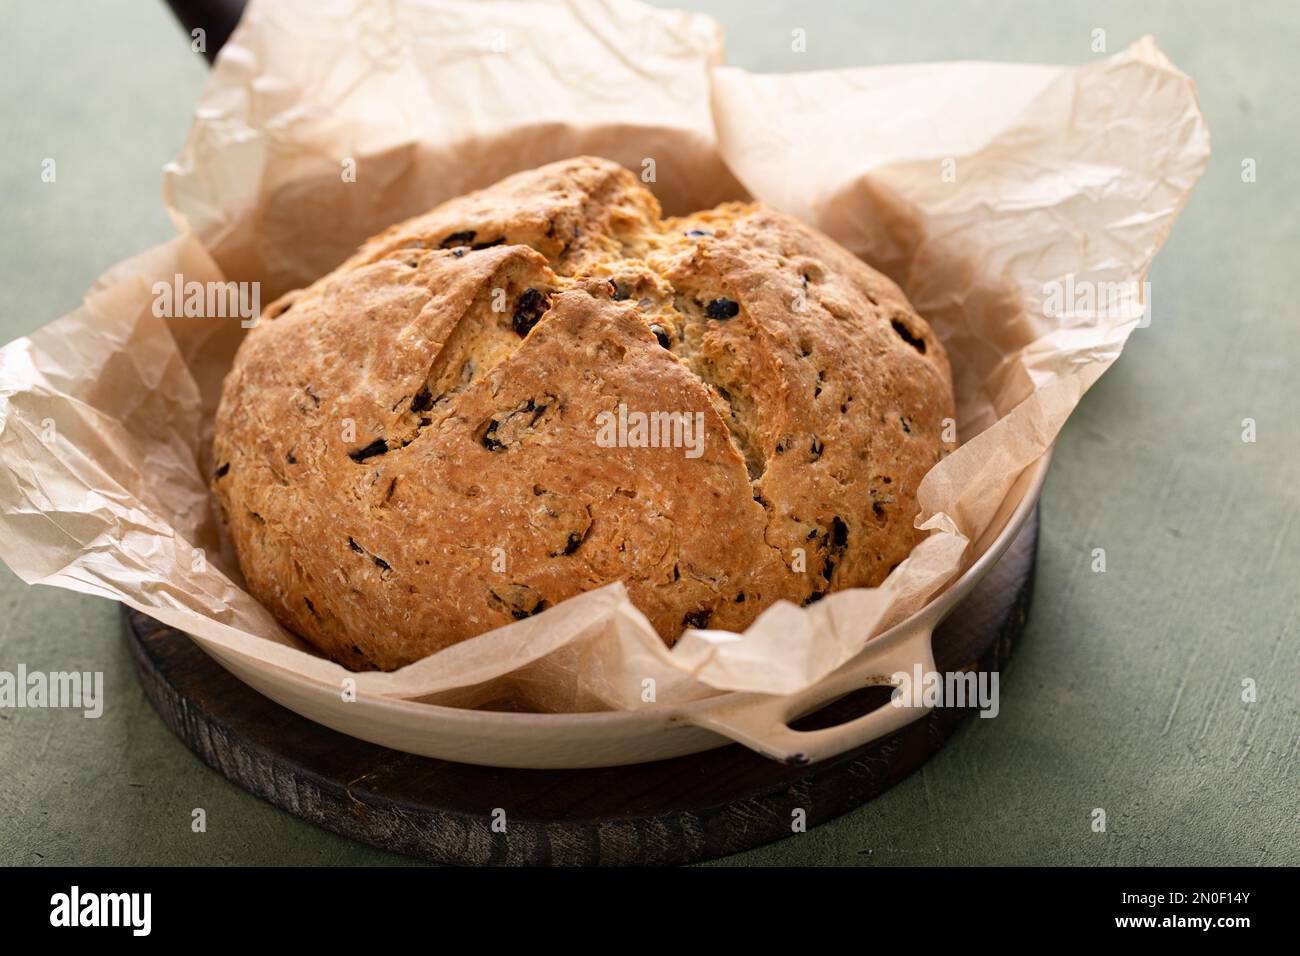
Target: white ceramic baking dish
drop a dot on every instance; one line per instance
(759, 721)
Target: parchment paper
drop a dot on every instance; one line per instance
(975, 186)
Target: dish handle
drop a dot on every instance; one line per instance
(762, 721)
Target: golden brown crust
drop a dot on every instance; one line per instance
(409, 450)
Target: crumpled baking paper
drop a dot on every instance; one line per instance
(981, 188)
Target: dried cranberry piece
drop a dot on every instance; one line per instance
(839, 532)
(376, 447)
(489, 442)
(698, 619)
(458, 239)
(722, 309)
(906, 335)
(530, 307)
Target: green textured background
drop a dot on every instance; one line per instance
(1125, 693)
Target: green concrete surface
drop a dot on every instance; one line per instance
(1125, 693)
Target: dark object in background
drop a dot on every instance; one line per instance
(682, 810)
(217, 18)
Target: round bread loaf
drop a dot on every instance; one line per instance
(543, 387)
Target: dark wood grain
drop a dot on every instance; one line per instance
(671, 811)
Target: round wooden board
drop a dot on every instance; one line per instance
(672, 811)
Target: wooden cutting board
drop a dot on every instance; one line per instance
(671, 811)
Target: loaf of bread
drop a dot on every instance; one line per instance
(544, 387)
